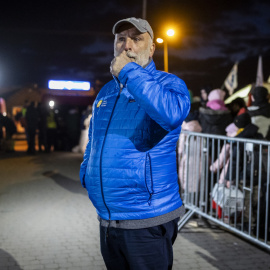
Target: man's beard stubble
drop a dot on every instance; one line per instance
(141, 58)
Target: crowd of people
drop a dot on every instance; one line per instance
(214, 116)
(46, 128)
(239, 119)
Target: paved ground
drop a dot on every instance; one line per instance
(47, 222)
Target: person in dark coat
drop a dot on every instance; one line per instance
(32, 125)
(237, 107)
(42, 127)
(249, 131)
(11, 129)
(260, 110)
(246, 164)
(215, 117)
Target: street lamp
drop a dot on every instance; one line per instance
(170, 33)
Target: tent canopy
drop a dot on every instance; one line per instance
(243, 93)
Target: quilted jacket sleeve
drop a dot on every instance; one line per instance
(166, 101)
(86, 155)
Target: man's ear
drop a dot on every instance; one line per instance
(252, 98)
(152, 50)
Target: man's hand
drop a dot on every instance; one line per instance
(119, 62)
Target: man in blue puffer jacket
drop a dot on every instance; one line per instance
(129, 166)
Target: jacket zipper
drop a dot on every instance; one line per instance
(100, 164)
(151, 180)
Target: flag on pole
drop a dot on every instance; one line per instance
(259, 78)
(231, 80)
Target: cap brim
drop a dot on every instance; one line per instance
(123, 22)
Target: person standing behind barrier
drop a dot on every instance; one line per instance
(249, 131)
(31, 126)
(216, 116)
(129, 166)
(237, 107)
(222, 162)
(260, 110)
(193, 181)
(214, 119)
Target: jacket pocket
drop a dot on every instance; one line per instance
(148, 177)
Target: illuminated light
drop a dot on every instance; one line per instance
(51, 103)
(159, 40)
(4, 114)
(170, 32)
(69, 85)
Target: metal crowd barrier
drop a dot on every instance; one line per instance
(226, 180)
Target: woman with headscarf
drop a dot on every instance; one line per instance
(215, 117)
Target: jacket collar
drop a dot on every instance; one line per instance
(151, 67)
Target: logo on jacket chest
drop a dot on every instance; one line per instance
(102, 103)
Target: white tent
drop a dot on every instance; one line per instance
(243, 93)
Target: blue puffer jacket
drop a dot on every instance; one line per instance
(129, 166)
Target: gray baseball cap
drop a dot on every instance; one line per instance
(142, 25)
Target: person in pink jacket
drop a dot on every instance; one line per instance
(222, 162)
(193, 179)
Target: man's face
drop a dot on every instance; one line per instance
(136, 44)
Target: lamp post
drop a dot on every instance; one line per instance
(170, 33)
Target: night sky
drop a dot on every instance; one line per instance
(45, 40)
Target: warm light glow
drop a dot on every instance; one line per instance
(159, 40)
(170, 32)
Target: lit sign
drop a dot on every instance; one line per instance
(69, 85)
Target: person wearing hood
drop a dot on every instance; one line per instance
(237, 107)
(215, 117)
(260, 110)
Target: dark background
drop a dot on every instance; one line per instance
(45, 40)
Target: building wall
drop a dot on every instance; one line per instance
(77, 98)
(18, 98)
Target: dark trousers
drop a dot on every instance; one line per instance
(51, 139)
(139, 249)
(31, 140)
